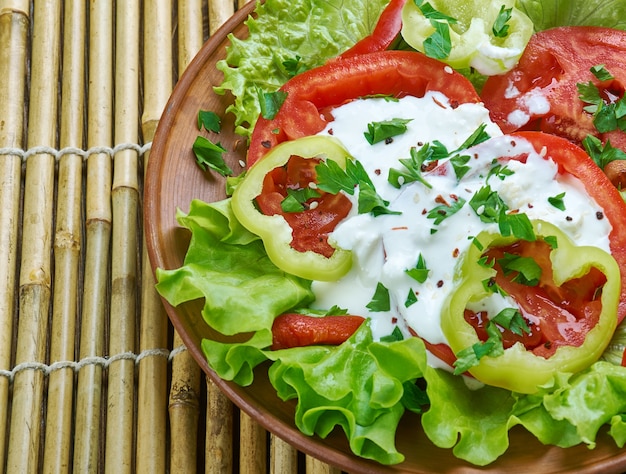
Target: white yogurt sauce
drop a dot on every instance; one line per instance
(384, 247)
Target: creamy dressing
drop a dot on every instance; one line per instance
(384, 247)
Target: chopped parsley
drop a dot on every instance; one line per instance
(385, 130)
(420, 272)
(438, 44)
(602, 154)
(608, 115)
(333, 179)
(271, 102)
(296, 198)
(500, 28)
(210, 121)
(512, 319)
(380, 300)
(557, 201)
(294, 66)
(432, 152)
(209, 156)
(508, 318)
(443, 211)
(411, 298)
(601, 73)
(395, 336)
(490, 208)
(528, 272)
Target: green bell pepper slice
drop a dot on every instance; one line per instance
(488, 35)
(274, 230)
(516, 368)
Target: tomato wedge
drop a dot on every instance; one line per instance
(310, 94)
(541, 92)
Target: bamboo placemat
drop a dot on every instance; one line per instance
(92, 376)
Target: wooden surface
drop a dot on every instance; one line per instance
(93, 377)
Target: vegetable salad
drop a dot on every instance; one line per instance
(473, 276)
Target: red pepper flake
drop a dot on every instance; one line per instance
(569, 218)
(377, 172)
(439, 283)
(331, 131)
(439, 103)
(424, 212)
(456, 252)
(599, 215)
(441, 200)
(400, 228)
(388, 140)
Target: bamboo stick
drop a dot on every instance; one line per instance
(219, 434)
(35, 273)
(152, 391)
(185, 387)
(14, 27)
(315, 466)
(120, 439)
(283, 456)
(219, 12)
(253, 441)
(89, 393)
(67, 243)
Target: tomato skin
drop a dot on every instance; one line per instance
(299, 330)
(385, 32)
(394, 73)
(552, 65)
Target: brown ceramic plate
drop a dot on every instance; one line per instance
(173, 180)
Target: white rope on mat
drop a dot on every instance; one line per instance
(47, 369)
(38, 150)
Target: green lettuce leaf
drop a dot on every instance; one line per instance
(287, 37)
(550, 13)
(227, 265)
(358, 386)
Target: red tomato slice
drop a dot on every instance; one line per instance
(311, 226)
(394, 73)
(553, 63)
(299, 330)
(386, 31)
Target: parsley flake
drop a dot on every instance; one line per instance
(271, 102)
(411, 298)
(601, 73)
(420, 272)
(602, 154)
(512, 319)
(209, 155)
(557, 201)
(380, 300)
(528, 272)
(382, 131)
(443, 211)
(210, 121)
(333, 179)
(500, 27)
